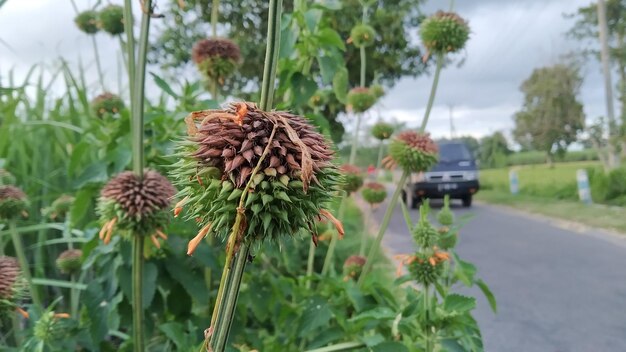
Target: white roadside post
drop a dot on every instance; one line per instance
(513, 182)
(584, 193)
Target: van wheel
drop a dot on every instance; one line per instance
(467, 201)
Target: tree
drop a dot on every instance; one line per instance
(395, 55)
(551, 116)
(493, 150)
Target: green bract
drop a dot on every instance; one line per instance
(425, 272)
(59, 208)
(13, 202)
(292, 186)
(374, 193)
(412, 151)
(107, 103)
(360, 99)
(112, 19)
(382, 130)
(444, 32)
(70, 261)
(362, 35)
(87, 21)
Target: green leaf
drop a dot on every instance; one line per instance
(390, 346)
(329, 36)
(82, 203)
(340, 84)
(288, 37)
(303, 88)
(76, 158)
(266, 198)
(150, 273)
(94, 301)
(282, 195)
(488, 295)
(328, 68)
(235, 194)
(316, 314)
(94, 173)
(312, 18)
(58, 283)
(180, 272)
(176, 333)
(329, 4)
(164, 86)
(465, 271)
(455, 303)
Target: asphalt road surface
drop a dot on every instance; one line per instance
(558, 290)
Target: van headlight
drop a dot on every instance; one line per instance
(470, 175)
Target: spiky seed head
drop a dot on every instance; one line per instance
(445, 217)
(13, 286)
(111, 19)
(374, 193)
(382, 130)
(413, 151)
(87, 21)
(319, 99)
(352, 176)
(6, 178)
(294, 185)
(444, 32)
(216, 58)
(107, 104)
(70, 261)
(353, 266)
(139, 205)
(360, 99)
(52, 327)
(13, 202)
(424, 234)
(424, 271)
(59, 207)
(362, 35)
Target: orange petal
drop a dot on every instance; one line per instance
(432, 261)
(193, 244)
(62, 316)
(161, 234)
(325, 213)
(22, 312)
(155, 242)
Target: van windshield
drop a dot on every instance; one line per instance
(453, 153)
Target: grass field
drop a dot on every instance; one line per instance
(558, 182)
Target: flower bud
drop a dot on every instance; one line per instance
(444, 32)
(362, 35)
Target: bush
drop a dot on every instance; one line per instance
(536, 157)
(608, 188)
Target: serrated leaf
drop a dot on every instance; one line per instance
(330, 37)
(455, 303)
(488, 295)
(316, 314)
(164, 86)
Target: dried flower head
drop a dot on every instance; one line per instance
(382, 130)
(353, 266)
(112, 19)
(70, 261)
(87, 21)
(136, 206)
(360, 99)
(216, 58)
(273, 162)
(107, 103)
(13, 286)
(13, 202)
(362, 35)
(412, 151)
(444, 32)
(352, 178)
(374, 193)
(59, 208)
(6, 178)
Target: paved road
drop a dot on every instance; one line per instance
(558, 290)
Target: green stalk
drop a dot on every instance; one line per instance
(67, 231)
(363, 66)
(366, 223)
(21, 257)
(433, 91)
(383, 227)
(137, 87)
(130, 46)
(355, 140)
(426, 300)
(215, 8)
(328, 261)
(138, 344)
(98, 65)
(309, 264)
(73, 298)
(344, 346)
(271, 54)
(381, 149)
(407, 215)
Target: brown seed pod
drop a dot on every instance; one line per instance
(13, 202)
(216, 58)
(12, 284)
(70, 261)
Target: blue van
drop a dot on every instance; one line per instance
(456, 174)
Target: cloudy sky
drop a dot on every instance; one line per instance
(509, 39)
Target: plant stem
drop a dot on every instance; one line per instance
(271, 53)
(98, 65)
(67, 233)
(309, 264)
(344, 346)
(426, 300)
(366, 223)
(230, 302)
(383, 227)
(215, 10)
(328, 261)
(21, 257)
(73, 298)
(407, 215)
(433, 91)
(139, 87)
(138, 345)
(381, 149)
(363, 66)
(130, 47)
(355, 140)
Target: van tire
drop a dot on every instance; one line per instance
(467, 201)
